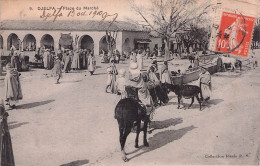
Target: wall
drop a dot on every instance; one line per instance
(155, 40)
(131, 36)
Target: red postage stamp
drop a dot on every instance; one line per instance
(234, 34)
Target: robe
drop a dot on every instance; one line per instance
(205, 85)
(47, 60)
(111, 78)
(139, 59)
(57, 69)
(165, 75)
(120, 86)
(75, 61)
(91, 63)
(13, 90)
(6, 150)
(67, 64)
(219, 64)
(15, 63)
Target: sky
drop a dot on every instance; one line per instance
(33, 9)
(29, 9)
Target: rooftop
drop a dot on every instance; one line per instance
(72, 25)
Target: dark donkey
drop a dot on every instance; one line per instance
(129, 112)
(186, 91)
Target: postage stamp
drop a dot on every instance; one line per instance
(234, 35)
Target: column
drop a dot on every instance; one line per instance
(96, 45)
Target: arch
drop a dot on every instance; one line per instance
(13, 41)
(86, 42)
(29, 43)
(103, 45)
(1, 42)
(47, 41)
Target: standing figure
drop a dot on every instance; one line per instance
(233, 30)
(13, 90)
(59, 54)
(160, 94)
(147, 53)
(46, 59)
(117, 56)
(67, 63)
(57, 69)
(205, 84)
(165, 74)
(135, 79)
(91, 64)
(75, 61)
(6, 150)
(111, 77)
(84, 59)
(160, 52)
(15, 62)
(139, 58)
(155, 68)
(24, 65)
(133, 57)
(253, 62)
(121, 83)
(219, 64)
(52, 59)
(196, 61)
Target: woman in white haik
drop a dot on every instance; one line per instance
(91, 64)
(139, 59)
(205, 85)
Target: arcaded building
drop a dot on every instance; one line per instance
(31, 35)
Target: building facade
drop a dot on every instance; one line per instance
(31, 35)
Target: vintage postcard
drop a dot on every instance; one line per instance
(129, 82)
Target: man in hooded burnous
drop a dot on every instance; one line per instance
(13, 90)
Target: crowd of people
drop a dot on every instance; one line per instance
(73, 59)
(149, 83)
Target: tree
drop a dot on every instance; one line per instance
(168, 17)
(195, 35)
(111, 40)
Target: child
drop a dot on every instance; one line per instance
(57, 69)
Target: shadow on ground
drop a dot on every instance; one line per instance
(99, 73)
(195, 105)
(164, 124)
(13, 125)
(76, 163)
(32, 105)
(163, 138)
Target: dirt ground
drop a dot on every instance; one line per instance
(73, 123)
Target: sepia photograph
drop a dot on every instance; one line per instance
(129, 82)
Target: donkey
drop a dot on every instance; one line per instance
(186, 91)
(129, 112)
